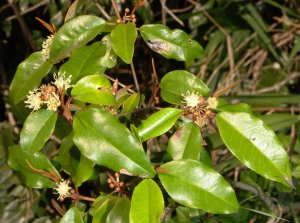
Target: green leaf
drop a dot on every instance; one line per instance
(171, 44)
(94, 89)
(255, 145)
(101, 207)
(195, 185)
(242, 107)
(147, 203)
(17, 161)
(72, 216)
(177, 83)
(37, 129)
(158, 123)
(186, 143)
(82, 168)
(103, 139)
(74, 33)
(131, 102)
(28, 76)
(73, 162)
(123, 37)
(119, 212)
(84, 61)
(109, 60)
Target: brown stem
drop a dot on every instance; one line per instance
(140, 2)
(51, 175)
(77, 197)
(116, 10)
(156, 83)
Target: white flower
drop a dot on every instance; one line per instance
(212, 103)
(46, 47)
(34, 100)
(61, 82)
(63, 189)
(191, 99)
(53, 102)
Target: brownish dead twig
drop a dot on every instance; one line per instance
(51, 175)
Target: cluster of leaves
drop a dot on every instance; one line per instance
(98, 140)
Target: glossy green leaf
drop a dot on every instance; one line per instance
(28, 76)
(242, 107)
(74, 33)
(255, 145)
(101, 207)
(103, 139)
(119, 212)
(132, 102)
(172, 44)
(82, 167)
(158, 123)
(147, 203)
(177, 83)
(109, 60)
(123, 37)
(195, 185)
(84, 61)
(73, 162)
(186, 142)
(94, 89)
(72, 216)
(17, 161)
(37, 129)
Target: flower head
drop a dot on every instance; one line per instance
(63, 189)
(53, 102)
(46, 47)
(191, 99)
(212, 103)
(34, 100)
(61, 82)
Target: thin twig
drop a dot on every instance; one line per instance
(179, 21)
(116, 10)
(215, 72)
(163, 11)
(182, 10)
(32, 8)
(51, 175)
(276, 87)
(134, 77)
(103, 12)
(154, 97)
(120, 84)
(23, 25)
(293, 135)
(257, 191)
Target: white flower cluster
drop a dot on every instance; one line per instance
(63, 189)
(212, 103)
(191, 99)
(61, 82)
(46, 47)
(48, 94)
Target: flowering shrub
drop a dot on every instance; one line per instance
(103, 140)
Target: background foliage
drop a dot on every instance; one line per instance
(251, 52)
